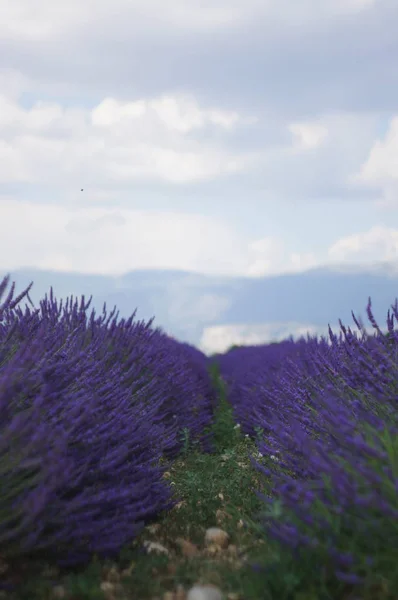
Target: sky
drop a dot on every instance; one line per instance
(231, 137)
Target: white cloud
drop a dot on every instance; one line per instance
(308, 135)
(180, 113)
(302, 262)
(115, 142)
(106, 240)
(102, 241)
(265, 256)
(377, 244)
(380, 169)
(271, 255)
(221, 337)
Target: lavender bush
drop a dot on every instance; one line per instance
(87, 409)
(330, 415)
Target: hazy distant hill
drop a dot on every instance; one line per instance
(185, 303)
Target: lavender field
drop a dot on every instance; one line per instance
(133, 466)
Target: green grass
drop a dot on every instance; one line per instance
(216, 491)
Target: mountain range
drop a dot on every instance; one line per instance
(214, 312)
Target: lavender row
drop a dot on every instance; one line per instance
(326, 414)
(88, 406)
